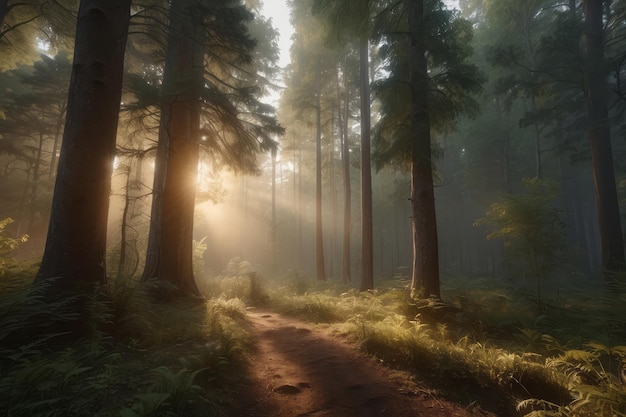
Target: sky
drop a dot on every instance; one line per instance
(279, 12)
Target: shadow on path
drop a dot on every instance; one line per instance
(300, 370)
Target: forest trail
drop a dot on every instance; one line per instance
(298, 369)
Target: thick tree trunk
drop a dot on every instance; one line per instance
(319, 237)
(367, 239)
(425, 278)
(600, 140)
(75, 247)
(179, 197)
(182, 123)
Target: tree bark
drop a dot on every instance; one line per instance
(367, 240)
(182, 124)
(319, 236)
(425, 277)
(274, 226)
(76, 242)
(153, 250)
(347, 186)
(599, 134)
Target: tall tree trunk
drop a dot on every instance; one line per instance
(295, 209)
(179, 197)
(151, 267)
(425, 278)
(367, 240)
(121, 264)
(599, 134)
(274, 226)
(179, 191)
(333, 199)
(76, 243)
(319, 236)
(347, 186)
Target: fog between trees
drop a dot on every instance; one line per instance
(523, 103)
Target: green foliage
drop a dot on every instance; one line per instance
(199, 246)
(452, 85)
(8, 243)
(494, 364)
(124, 366)
(531, 228)
(239, 280)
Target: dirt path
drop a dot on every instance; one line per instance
(302, 370)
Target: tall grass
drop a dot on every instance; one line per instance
(489, 348)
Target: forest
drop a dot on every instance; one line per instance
(415, 209)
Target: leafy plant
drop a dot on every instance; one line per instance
(8, 243)
(531, 227)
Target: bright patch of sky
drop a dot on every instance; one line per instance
(279, 12)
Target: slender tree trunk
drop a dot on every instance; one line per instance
(121, 264)
(319, 236)
(347, 186)
(599, 134)
(55, 144)
(295, 209)
(22, 206)
(76, 243)
(274, 226)
(34, 186)
(425, 278)
(151, 267)
(333, 200)
(367, 239)
(299, 225)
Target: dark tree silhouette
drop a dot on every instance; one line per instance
(76, 243)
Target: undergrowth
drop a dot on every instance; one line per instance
(138, 357)
(516, 361)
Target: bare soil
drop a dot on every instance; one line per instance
(299, 369)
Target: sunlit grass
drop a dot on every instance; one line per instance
(493, 347)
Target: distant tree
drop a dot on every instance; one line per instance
(307, 82)
(319, 230)
(350, 21)
(344, 132)
(75, 247)
(34, 111)
(517, 30)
